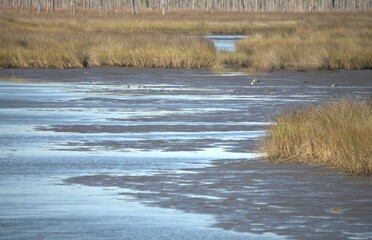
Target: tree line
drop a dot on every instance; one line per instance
(126, 6)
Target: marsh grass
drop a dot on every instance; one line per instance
(276, 41)
(335, 134)
(67, 49)
(53, 42)
(319, 43)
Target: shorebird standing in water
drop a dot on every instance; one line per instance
(253, 82)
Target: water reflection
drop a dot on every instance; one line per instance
(225, 43)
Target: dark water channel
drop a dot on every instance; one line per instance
(117, 153)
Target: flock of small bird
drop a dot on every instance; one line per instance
(161, 88)
(253, 82)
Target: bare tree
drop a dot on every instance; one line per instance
(134, 7)
(73, 6)
(162, 7)
(123, 3)
(110, 6)
(39, 7)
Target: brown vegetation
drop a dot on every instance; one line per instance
(64, 43)
(321, 42)
(275, 41)
(335, 134)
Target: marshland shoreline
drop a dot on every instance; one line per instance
(277, 41)
(187, 145)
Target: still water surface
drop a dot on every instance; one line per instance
(57, 124)
(225, 43)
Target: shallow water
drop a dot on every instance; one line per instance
(147, 125)
(225, 43)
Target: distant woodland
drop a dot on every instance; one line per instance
(133, 6)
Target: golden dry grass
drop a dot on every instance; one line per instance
(29, 44)
(321, 42)
(335, 134)
(295, 41)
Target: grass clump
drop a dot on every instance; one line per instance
(320, 42)
(335, 134)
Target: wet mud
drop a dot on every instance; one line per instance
(182, 140)
(255, 196)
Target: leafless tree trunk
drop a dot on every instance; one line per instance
(72, 7)
(53, 6)
(134, 7)
(111, 6)
(162, 7)
(39, 7)
(46, 6)
(123, 3)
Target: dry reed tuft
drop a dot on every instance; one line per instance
(335, 134)
(320, 43)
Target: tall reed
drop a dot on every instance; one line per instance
(335, 134)
(275, 41)
(66, 46)
(315, 45)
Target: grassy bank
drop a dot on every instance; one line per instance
(293, 41)
(335, 134)
(64, 43)
(74, 49)
(319, 42)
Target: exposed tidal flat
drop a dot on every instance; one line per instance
(277, 41)
(112, 153)
(96, 152)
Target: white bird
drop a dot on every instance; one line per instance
(334, 85)
(254, 81)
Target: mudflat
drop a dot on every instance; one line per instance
(183, 140)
